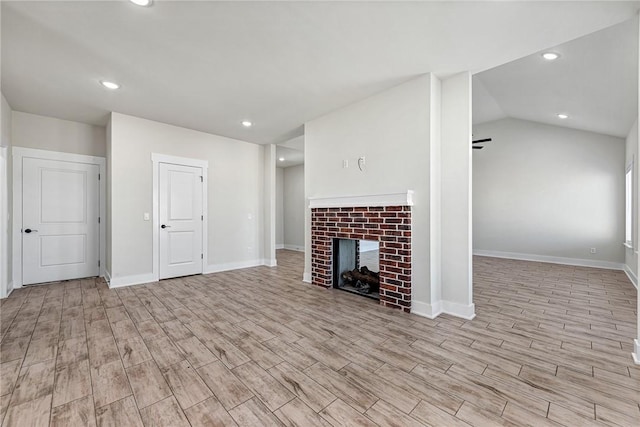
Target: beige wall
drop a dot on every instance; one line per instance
(548, 191)
(48, 133)
(235, 193)
(294, 207)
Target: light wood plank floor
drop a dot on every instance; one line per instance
(550, 346)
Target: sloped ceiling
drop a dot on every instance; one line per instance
(595, 82)
(210, 65)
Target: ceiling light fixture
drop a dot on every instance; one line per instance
(550, 56)
(247, 123)
(141, 2)
(563, 116)
(281, 159)
(110, 85)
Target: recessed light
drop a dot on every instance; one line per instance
(141, 2)
(281, 159)
(550, 56)
(110, 85)
(563, 116)
(247, 123)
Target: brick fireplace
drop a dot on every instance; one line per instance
(382, 218)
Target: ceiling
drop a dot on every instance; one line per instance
(595, 82)
(209, 65)
(291, 151)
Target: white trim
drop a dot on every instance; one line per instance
(107, 277)
(459, 310)
(392, 199)
(217, 268)
(636, 352)
(279, 246)
(550, 259)
(4, 222)
(19, 153)
(270, 262)
(430, 311)
(136, 279)
(306, 277)
(294, 248)
(628, 245)
(156, 159)
(632, 277)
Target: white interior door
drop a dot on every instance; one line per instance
(60, 231)
(180, 203)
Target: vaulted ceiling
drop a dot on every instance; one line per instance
(594, 82)
(210, 65)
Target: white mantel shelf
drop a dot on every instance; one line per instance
(391, 199)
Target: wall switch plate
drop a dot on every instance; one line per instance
(593, 250)
(146, 216)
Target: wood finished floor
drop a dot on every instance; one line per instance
(550, 346)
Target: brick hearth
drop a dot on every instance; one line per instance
(389, 225)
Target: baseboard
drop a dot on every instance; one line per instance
(107, 276)
(9, 290)
(294, 248)
(551, 259)
(632, 277)
(306, 277)
(423, 309)
(138, 279)
(636, 352)
(464, 311)
(279, 245)
(270, 262)
(217, 268)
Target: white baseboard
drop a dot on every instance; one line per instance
(217, 268)
(423, 309)
(279, 245)
(270, 262)
(107, 276)
(632, 277)
(9, 290)
(636, 352)
(294, 248)
(432, 311)
(550, 259)
(137, 279)
(465, 311)
(306, 277)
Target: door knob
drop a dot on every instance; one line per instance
(165, 226)
(28, 230)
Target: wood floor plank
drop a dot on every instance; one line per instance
(72, 382)
(296, 413)
(228, 389)
(109, 383)
(310, 392)
(341, 414)
(254, 413)
(209, 413)
(123, 412)
(263, 385)
(147, 383)
(166, 412)
(186, 384)
(78, 413)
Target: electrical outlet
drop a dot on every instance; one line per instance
(146, 216)
(593, 250)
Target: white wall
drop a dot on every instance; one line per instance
(48, 133)
(235, 199)
(280, 208)
(548, 191)
(294, 207)
(269, 194)
(6, 192)
(392, 130)
(631, 155)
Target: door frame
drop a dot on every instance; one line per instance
(156, 159)
(20, 153)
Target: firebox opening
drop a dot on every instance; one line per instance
(356, 267)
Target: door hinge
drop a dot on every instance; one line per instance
(98, 220)
(201, 217)
(98, 263)
(201, 178)
(201, 256)
(98, 177)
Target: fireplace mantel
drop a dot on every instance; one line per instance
(390, 199)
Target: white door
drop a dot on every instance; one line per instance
(180, 201)
(60, 231)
